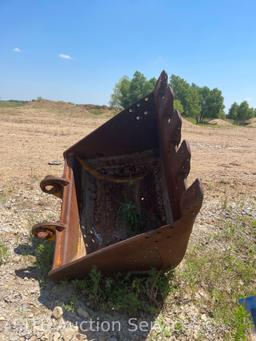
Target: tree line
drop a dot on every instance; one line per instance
(191, 100)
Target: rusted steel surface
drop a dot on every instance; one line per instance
(53, 185)
(126, 205)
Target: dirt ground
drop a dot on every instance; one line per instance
(224, 158)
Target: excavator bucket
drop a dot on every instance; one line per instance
(126, 205)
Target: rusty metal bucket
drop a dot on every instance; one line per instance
(125, 201)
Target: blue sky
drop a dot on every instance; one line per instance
(206, 42)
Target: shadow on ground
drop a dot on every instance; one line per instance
(105, 324)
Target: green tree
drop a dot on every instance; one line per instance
(180, 88)
(244, 112)
(190, 99)
(178, 106)
(120, 96)
(241, 112)
(188, 96)
(193, 106)
(127, 91)
(233, 111)
(212, 102)
(150, 85)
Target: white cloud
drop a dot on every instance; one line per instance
(16, 49)
(65, 56)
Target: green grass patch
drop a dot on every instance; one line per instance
(225, 271)
(44, 251)
(126, 293)
(70, 306)
(222, 271)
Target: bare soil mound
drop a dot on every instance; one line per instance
(252, 122)
(220, 122)
(60, 106)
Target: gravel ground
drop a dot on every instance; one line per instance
(29, 310)
(26, 306)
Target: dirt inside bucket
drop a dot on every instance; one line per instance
(111, 211)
